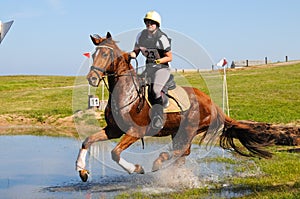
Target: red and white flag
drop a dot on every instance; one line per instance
(222, 62)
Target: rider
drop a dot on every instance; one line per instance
(156, 47)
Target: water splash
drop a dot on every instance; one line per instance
(199, 171)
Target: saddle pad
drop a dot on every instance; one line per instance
(180, 95)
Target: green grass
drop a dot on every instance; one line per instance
(269, 94)
(281, 177)
(265, 94)
(36, 96)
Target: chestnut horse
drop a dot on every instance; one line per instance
(126, 115)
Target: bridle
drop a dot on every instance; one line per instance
(103, 70)
(115, 75)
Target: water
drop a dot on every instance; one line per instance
(44, 167)
(30, 163)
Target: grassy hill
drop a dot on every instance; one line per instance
(36, 96)
(267, 94)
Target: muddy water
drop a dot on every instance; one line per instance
(43, 167)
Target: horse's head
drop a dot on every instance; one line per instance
(106, 59)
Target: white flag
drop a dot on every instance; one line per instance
(222, 62)
(4, 28)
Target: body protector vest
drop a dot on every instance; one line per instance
(153, 47)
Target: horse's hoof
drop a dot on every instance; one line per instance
(84, 175)
(139, 169)
(156, 166)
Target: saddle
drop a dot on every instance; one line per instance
(175, 98)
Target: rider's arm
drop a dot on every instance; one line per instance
(167, 58)
(136, 50)
(135, 53)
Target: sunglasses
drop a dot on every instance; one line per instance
(147, 21)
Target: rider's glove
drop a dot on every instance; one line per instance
(157, 61)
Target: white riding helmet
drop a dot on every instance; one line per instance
(154, 16)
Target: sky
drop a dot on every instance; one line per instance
(49, 37)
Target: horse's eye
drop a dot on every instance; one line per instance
(104, 55)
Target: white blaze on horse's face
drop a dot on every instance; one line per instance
(101, 57)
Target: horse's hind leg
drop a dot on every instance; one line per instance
(80, 162)
(178, 156)
(181, 149)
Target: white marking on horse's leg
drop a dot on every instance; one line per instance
(129, 167)
(80, 162)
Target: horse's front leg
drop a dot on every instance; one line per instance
(125, 142)
(80, 162)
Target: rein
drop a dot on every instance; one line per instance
(114, 75)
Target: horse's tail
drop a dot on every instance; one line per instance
(247, 136)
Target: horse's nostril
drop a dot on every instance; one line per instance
(93, 81)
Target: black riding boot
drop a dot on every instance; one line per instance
(157, 118)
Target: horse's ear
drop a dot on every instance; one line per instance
(96, 39)
(108, 35)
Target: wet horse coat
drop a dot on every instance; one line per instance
(127, 115)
